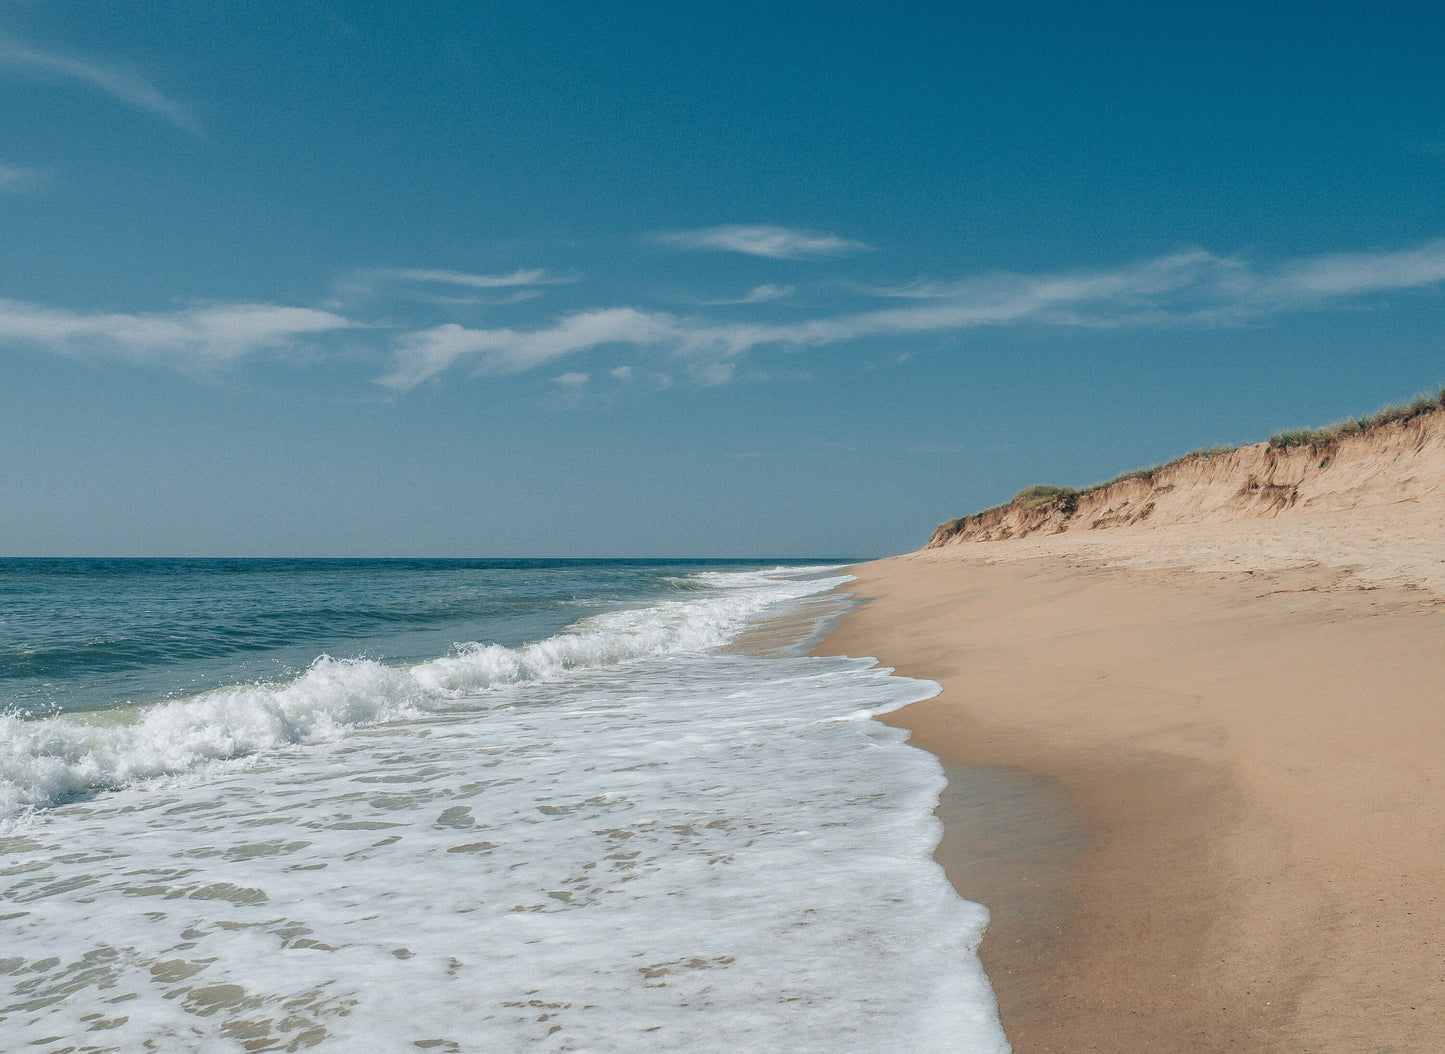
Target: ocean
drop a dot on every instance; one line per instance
(464, 805)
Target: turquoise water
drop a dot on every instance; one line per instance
(462, 805)
(91, 634)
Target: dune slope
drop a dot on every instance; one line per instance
(1398, 460)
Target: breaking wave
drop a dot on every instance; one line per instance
(51, 760)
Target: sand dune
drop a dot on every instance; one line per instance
(1211, 746)
(1396, 462)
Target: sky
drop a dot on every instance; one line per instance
(660, 279)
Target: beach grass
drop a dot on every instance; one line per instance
(1321, 438)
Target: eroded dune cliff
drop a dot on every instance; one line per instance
(1398, 456)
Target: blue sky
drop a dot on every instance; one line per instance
(660, 279)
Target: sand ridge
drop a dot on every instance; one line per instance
(1401, 458)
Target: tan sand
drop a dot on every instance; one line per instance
(1203, 790)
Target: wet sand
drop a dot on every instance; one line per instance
(1197, 775)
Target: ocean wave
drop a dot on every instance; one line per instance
(58, 759)
(52, 760)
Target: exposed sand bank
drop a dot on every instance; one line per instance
(1398, 456)
(1211, 814)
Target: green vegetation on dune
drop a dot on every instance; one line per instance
(1028, 498)
(1038, 494)
(1323, 437)
(1149, 473)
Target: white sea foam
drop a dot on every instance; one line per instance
(43, 762)
(587, 846)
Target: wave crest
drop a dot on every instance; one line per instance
(49, 761)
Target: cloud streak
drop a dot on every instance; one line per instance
(1194, 288)
(519, 277)
(424, 354)
(760, 294)
(775, 243)
(19, 179)
(443, 286)
(1355, 274)
(116, 81)
(195, 340)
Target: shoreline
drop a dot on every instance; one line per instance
(1198, 797)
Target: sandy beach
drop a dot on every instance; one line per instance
(1195, 773)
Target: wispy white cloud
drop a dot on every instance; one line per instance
(426, 353)
(1193, 288)
(761, 294)
(1190, 288)
(777, 243)
(519, 277)
(19, 179)
(443, 286)
(193, 340)
(120, 83)
(1355, 274)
